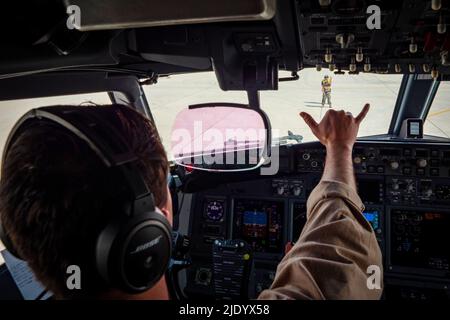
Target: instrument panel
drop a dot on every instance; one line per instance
(405, 188)
(259, 223)
(419, 240)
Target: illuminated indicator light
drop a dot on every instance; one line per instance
(436, 5)
(444, 58)
(441, 26)
(412, 46)
(352, 66)
(328, 56)
(359, 55)
(324, 3)
(367, 65)
(434, 73)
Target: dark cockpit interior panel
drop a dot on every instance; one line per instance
(405, 188)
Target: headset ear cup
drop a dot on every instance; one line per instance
(134, 255)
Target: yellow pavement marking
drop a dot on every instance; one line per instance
(439, 112)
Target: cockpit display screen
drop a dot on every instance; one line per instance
(260, 223)
(370, 191)
(420, 238)
(255, 223)
(373, 217)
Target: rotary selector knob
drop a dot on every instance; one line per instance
(357, 160)
(394, 165)
(306, 156)
(297, 190)
(428, 192)
(422, 163)
(280, 190)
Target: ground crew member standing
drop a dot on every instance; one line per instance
(326, 90)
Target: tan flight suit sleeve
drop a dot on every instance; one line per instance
(330, 259)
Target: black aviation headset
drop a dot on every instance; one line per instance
(133, 251)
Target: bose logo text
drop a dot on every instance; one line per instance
(147, 245)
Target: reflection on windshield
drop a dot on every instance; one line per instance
(349, 92)
(216, 129)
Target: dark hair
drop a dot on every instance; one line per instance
(56, 195)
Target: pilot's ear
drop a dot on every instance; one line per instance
(166, 209)
(167, 214)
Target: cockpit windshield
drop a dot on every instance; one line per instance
(174, 93)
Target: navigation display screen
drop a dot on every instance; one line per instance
(260, 223)
(420, 239)
(370, 191)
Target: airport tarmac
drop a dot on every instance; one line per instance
(349, 92)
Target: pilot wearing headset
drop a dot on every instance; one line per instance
(87, 186)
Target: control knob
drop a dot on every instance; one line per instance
(410, 188)
(357, 160)
(394, 165)
(427, 192)
(280, 190)
(297, 190)
(422, 163)
(395, 185)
